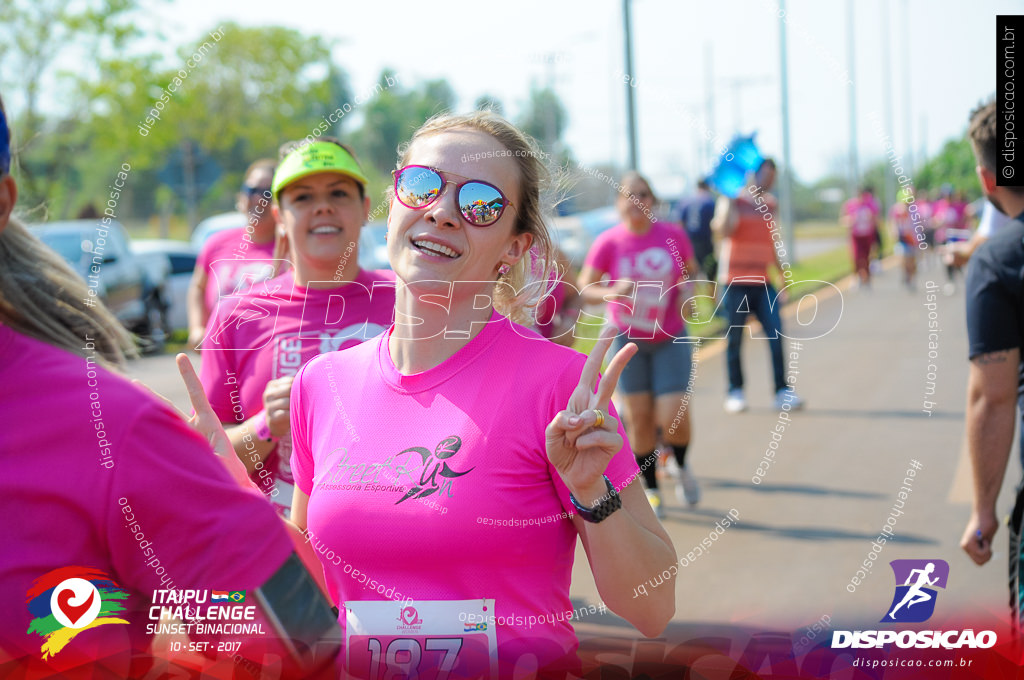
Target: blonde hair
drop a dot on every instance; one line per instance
(518, 299)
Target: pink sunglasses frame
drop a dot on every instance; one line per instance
(458, 188)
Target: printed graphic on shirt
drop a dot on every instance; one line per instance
(288, 347)
(654, 273)
(411, 474)
(432, 466)
(232, 277)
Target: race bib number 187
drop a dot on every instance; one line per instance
(427, 639)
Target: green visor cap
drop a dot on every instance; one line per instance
(310, 159)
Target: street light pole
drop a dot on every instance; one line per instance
(854, 172)
(786, 177)
(630, 93)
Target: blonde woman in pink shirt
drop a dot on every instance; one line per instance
(454, 471)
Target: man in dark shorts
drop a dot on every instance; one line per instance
(995, 329)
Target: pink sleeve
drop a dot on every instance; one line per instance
(302, 454)
(600, 255)
(177, 519)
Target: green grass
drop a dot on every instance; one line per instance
(819, 229)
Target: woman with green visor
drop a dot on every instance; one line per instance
(256, 342)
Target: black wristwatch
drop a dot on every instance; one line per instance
(606, 505)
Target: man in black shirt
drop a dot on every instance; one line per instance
(995, 329)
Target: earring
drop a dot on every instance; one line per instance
(504, 269)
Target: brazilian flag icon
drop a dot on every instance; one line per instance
(237, 596)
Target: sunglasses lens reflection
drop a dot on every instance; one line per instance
(417, 187)
(481, 204)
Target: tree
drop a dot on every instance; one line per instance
(33, 34)
(954, 165)
(247, 91)
(486, 102)
(394, 114)
(545, 119)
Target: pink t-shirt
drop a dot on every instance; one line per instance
(270, 333)
(473, 429)
(656, 261)
(233, 264)
(863, 212)
(100, 473)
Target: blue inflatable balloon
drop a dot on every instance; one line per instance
(746, 153)
(730, 174)
(728, 178)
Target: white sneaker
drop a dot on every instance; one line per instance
(788, 396)
(735, 402)
(687, 489)
(654, 498)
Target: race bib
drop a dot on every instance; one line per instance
(429, 639)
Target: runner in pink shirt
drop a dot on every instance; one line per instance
(257, 342)
(452, 463)
(237, 258)
(112, 501)
(905, 225)
(860, 216)
(651, 262)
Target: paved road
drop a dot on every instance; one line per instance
(806, 528)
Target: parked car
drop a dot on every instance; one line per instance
(574, 234)
(133, 289)
(211, 225)
(179, 257)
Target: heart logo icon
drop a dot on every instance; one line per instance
(73, 612)
(409, 616)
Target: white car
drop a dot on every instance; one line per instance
(211, 225)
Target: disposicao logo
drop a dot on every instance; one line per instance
(914, 602)
(66, 601)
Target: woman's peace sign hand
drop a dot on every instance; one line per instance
(582, 439)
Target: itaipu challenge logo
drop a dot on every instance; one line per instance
(69, 600)
(914, 600)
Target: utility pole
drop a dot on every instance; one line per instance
(854, 171)
(709, 103)
(786, 176)
(630, 94)
(890, 179)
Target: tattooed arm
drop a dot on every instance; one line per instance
(991, 394)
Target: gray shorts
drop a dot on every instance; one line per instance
(658, 367)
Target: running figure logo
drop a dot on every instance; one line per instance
(434, 464)
(914, 600)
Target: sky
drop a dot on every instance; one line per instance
(940, 64)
